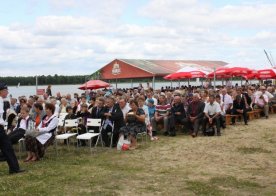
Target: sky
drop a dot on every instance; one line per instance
(77, 37)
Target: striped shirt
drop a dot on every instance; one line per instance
(163, 109)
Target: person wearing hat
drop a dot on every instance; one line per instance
(5, 143)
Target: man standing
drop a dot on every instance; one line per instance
(5, 143)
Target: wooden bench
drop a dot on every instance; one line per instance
(274, 108)
(228, 118)
(251, 115)
(257, 113)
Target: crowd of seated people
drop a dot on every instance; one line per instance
(128, 112)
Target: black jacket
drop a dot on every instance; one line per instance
(238, 106)
(96, 113)
(178, 108)
(199, 108)
(116, 116)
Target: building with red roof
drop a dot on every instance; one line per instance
(140, 68)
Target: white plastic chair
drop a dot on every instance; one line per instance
(66, 136)
(90, 133)
(62, 115)
(61, 119)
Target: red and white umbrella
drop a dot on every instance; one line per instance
(94, 84)
(252, 75)
(269, 73)
(221, 72)
(230, 71)
(187, 72)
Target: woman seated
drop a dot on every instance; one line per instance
(36, 145)
(38, 114)
(135, 123)
(63, 105)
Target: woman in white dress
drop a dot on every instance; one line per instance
(43, 136)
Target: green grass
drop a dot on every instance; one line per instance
(203, 188)
(171, 166)
(233, 182)
(252, 150)
(222, 186)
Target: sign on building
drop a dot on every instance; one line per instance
(116, 69)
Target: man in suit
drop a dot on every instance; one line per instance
(178, 115)
(96, 111)
(195, 114)
(96, 114)
(239, 107)
(111, 114)
(5, 143)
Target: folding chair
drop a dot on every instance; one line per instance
(142, 135)
(66, 136)
(62, 115)
(90, 133)
(61, 119)
(21, 146)
(111, 135)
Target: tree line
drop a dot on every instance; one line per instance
(45, 80)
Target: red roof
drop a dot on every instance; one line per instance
(139, 68)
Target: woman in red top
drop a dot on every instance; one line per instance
(38, 114)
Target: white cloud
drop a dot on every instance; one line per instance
(199, 14)
(179, 29)
(108, 10)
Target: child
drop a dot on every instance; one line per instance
(151, 109)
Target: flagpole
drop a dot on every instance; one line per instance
(36, 84)
(214, 77)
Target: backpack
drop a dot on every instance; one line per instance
(210, 131)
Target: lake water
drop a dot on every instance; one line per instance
(65, 89)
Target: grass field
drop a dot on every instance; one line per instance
(240, 162)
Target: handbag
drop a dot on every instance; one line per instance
(123, 144)
(31, 130)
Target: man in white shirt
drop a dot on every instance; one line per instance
(22, 125)
(261, 101)
(227, 101)
(124, 106)
(212, 114)
(5, 144)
